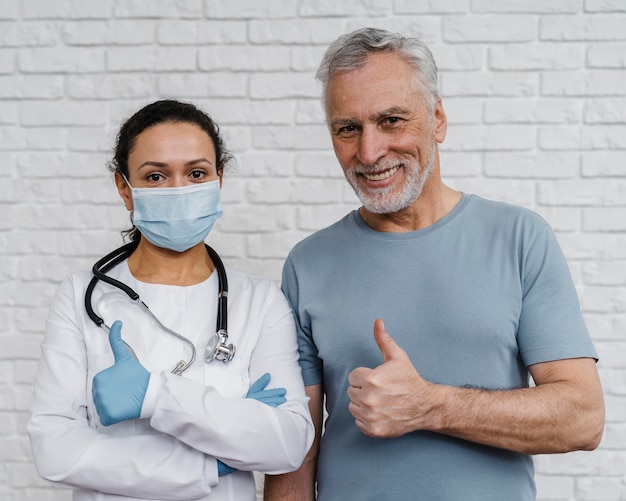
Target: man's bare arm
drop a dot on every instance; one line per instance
(300, 484)
(564, 412)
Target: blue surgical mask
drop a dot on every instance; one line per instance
(176, 218)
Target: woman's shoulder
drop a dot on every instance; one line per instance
(78, 279)
(252, 286)
(245, 279)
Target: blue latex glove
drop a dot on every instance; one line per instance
(273, 397)
(224, 469)
(118, 391)
(257, 391)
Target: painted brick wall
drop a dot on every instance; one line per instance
(535, 92)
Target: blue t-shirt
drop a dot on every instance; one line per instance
(473, 299)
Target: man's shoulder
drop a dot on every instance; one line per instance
(494, 210)
(325, 238)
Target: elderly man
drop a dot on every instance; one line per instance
(476, 297)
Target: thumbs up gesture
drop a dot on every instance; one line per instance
(388, 401)
(118, 391)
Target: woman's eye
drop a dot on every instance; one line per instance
(197, 174)
(155, 176)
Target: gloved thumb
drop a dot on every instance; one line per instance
(120, 352)
(385, 342)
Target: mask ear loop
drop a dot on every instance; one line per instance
(132, 212)
(125, 179)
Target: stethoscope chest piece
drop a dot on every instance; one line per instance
(217, 349)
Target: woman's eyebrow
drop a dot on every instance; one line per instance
(162, 165)
(199, 161)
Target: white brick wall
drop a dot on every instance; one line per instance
(536, 96)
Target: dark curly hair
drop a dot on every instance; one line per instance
(159, 112)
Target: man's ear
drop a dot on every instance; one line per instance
(124, 190)
(441, 122)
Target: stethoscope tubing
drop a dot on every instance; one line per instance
(99, 269)
(115, 257)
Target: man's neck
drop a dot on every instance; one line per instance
(429, 208)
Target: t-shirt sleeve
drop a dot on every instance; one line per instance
(551, 325)
(310, 362)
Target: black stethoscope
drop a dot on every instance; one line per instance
(217, 347)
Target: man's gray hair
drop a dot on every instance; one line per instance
(350, 52)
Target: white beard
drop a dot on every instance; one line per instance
(385, 200)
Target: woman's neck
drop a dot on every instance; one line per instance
(155, 265)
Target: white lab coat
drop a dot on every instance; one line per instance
(198, 417)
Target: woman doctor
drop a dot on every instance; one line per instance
(109, 418)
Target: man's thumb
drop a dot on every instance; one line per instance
(115, 340)
(385, 342)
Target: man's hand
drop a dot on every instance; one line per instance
(391, 399)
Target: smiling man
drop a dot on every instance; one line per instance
(385, 135)
(476, 296)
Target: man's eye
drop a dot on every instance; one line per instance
(347, 129)
(392, 120)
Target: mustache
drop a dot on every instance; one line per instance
(380, 166)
